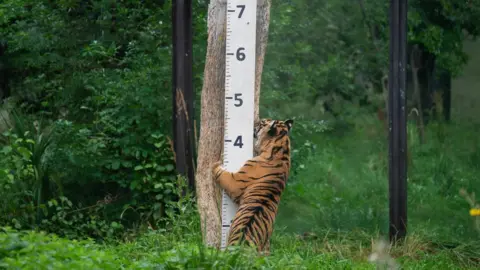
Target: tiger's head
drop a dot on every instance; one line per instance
(267, 133)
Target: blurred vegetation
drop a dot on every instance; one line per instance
(86, 146)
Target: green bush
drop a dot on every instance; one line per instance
(31, 250)
(99, 73)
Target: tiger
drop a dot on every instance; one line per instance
(257, 186)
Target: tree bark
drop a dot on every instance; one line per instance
(211, 123)
(263, 22)
(212, 111)
(4, 88)
(417, 95)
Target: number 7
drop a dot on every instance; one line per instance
(242, 8)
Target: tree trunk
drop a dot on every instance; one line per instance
(263, 22)
(212, 111)
(4, 88)
(417, 95)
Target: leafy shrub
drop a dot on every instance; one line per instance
(16, 178)
(100, 72)
(27, 157)
(31, 250)
(79, 222)
(35, 163)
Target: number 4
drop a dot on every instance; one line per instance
(238, 142)
(242, 8)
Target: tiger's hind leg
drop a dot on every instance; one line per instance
(249, 228)
(266, 249)
(240, 237)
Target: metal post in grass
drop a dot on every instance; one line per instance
(397, 120)
(183, 95)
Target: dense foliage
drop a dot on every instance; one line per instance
(89, 106)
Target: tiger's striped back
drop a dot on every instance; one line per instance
(258, 185)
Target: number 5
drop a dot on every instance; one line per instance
(240, 101)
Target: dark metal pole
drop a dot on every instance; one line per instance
(183, 95)
(397, 119)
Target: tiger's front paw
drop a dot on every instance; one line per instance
(216, 166)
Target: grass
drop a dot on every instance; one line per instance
(156, 250)
(333, 215)
(343, 182)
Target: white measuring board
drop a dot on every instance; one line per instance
(239, 95)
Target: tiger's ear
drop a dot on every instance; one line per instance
(289, 124)
(272, 129)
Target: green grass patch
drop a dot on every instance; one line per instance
(159, 250)
(342, 183)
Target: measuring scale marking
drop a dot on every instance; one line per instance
(239, 96)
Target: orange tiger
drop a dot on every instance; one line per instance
(258, 185)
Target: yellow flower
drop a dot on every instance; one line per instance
(475, 212)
